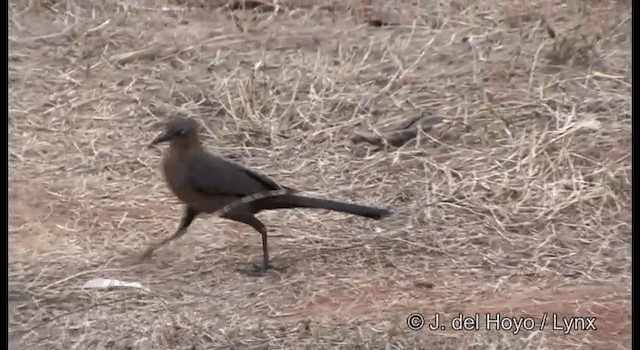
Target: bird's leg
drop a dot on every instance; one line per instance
(256, 270)
(187, 218)
(259, 270)
(265, 255)
(265, 251)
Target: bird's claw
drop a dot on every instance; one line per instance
(258, 270)
(144, 256)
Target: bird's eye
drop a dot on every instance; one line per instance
(181, 132)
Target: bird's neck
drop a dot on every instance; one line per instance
(185, 147)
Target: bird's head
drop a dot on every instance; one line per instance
(178, 130)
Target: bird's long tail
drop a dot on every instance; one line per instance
(297, 201)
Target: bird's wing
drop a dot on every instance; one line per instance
(215, 176)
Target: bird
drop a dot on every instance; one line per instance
(207, 184)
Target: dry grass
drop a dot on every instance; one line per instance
(518, 203)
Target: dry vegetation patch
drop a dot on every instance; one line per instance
(514, 199)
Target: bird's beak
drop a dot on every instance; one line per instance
(164, 137)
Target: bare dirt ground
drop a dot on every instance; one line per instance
(517, 203)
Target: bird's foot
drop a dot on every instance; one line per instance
(142, 256)
(258, 270)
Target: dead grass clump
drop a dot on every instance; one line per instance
(517, 201)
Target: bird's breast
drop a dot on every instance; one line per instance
(176, 176)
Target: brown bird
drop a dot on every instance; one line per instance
(206, 183)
